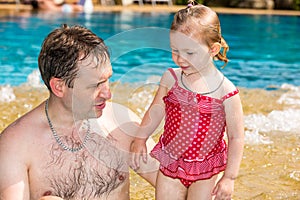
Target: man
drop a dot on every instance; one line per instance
(57, 149)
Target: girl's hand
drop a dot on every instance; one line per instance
(223, 189)
(138, 149)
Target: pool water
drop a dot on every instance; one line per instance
(264, 50)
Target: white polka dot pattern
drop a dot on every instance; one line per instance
(192, 145)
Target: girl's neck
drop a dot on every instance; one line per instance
(189, 74)
(209, 70)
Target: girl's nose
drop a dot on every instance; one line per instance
(180, 59)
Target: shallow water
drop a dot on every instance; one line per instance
(270, 167)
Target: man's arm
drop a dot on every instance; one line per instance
(122, 123)
(13, 169)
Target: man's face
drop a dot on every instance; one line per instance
(91, 88)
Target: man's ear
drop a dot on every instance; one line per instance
(57, 86)
(215, 49)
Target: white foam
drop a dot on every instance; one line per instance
(287, 120)
(33, 79)
(295, 175)
(7, 94)
(277, 120)
(253, 137)
(291, 97)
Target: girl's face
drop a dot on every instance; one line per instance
(189, 54)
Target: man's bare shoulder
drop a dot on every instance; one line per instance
(23, 128)
(18, 146)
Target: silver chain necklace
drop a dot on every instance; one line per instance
(57, 138)
(205, 93)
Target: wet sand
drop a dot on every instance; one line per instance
(270, 165)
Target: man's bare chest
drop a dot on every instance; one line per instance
(98, 170)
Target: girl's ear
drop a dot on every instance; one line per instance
(57, 86)
(215, 49)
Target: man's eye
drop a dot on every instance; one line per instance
(189, 53)
(100, 84)
(96, 85)
(175, 51)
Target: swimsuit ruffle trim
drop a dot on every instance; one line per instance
(190, 170)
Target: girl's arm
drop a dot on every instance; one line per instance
(150, 122)
(235, 134)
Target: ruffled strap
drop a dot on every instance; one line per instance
(230, 94)
(171, 70)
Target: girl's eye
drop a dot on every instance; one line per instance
(175, 50)
(189, 53)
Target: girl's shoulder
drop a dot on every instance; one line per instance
(172, 72)
(228, 89)
(169, 77)
(228, 85)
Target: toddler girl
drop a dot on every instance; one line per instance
(199, 104)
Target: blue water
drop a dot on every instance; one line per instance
(264, 49)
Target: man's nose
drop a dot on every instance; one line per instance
(105, 92)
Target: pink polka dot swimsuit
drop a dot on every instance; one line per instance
(192, 146)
